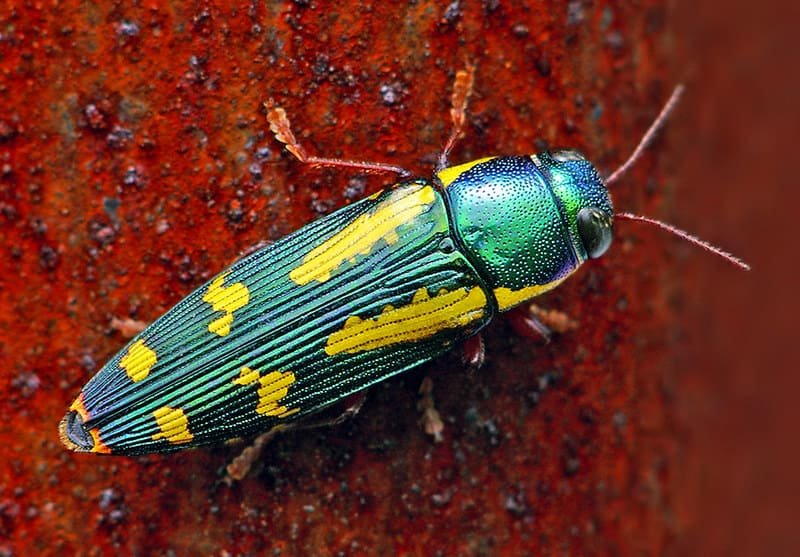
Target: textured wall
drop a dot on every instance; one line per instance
(136, 163)
(736, 486)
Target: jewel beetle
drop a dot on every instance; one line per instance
(367, 292)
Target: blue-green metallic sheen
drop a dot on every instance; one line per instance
(284, 327)
(516, 217)
(506, 222)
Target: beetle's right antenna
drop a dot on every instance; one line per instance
(647, 138)
(688, 237)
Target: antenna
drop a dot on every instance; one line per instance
(647, 138)
(688, 237)
(649, 134)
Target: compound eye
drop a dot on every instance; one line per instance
(594, 229)
(566, 155)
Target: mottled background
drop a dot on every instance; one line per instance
(135, 163)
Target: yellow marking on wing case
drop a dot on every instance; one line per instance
(425, 316)
(138, 361)
(507, 298)
(99, 446)
(80, 407)
(448, 175)
(174, 425)
(360, 236)
(272, 387)
(225, 298)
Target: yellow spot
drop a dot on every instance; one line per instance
(360, 236)
(507, 298)
(138, 361)
(227, 299)
(272, 387)
(448, 175)
(79, 407)
(99, 446)
(425, 316)
(174, 425)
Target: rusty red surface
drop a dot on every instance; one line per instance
(136, 163)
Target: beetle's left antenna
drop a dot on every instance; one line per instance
(647, 138)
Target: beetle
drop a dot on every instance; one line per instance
(369, 291)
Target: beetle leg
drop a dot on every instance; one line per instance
(430, 420)
(473, 352)
(127, 326)
(534, 322)
(527, 325)
(280, 126)
(462, 89)
(557, 321)
(473, 355)
(252, 249)
(241, 465)
(352, 406)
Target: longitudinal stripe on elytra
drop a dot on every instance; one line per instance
(182, 323)
(312, 324)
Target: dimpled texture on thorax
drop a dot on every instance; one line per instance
(575, 184)
(508, 221)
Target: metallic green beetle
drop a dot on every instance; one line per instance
(375, 288)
